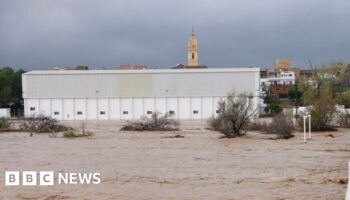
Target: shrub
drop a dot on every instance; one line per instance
(156, 122)
(234, 115)
(71, 133)
(322, 113)
(4, 123)
(281, 125)
(41, 124)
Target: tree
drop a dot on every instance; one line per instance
(308, 92)
(347, 72)
(234, 115)
(271, 101)
(295, 94)
(322, 113)
(10, 86)
(343, 99)
(329, 78)
(326, 81)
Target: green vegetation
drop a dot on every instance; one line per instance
(327, 82)
(10, 86)
(308, 92)
(4, 123)
(322, 113)
(295, 94)
(343, 98)
(71, 133)
(272, 102)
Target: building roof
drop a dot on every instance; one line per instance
(181, 66)
(131, 67)
(151, 71)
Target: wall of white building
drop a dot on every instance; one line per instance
(5, 112)
(122, 108)
(130, 94)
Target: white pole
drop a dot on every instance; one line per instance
(309, 126)
(304, 118)
(348, 190)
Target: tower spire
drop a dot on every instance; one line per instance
(192, 51)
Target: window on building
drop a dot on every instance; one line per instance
(290, 75)
(32, 108)
(125, 112)
(171, 112)
(149, 112)
(195, 112)
(56, 113)
(79, 113)
(192, 55)
(102, 112)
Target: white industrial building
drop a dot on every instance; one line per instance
(130, 94)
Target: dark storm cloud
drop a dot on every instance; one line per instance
(39, 34)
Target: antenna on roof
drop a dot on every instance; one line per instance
(192, 30)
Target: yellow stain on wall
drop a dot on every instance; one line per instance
(135, 85)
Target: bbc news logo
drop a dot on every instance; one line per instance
(47, 178)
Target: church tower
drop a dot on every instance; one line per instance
(192, 51)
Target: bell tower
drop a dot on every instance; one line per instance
(192, 51)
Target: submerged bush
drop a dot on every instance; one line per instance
(42, 124)
(234, 115)
(156, 122)
(281, 125)
(71, 133)
(4, 123)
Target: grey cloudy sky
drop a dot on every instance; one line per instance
(39, 34)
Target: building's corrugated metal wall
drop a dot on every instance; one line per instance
(122, 108)
(70, 85)
(202, 84)
(138, 85)
(103, 96)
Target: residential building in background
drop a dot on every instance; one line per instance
(280, 78)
